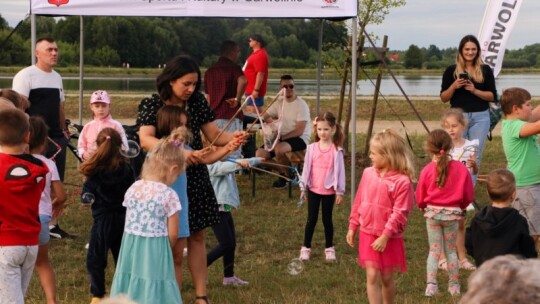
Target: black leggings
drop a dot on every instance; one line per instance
(314, 201)
(226, 236)
(106, 234)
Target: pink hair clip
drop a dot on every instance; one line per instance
(177, 143)
(441, 152)
(107, 137)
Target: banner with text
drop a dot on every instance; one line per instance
(199, 8)
(499, 19)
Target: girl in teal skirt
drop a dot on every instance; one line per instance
(145, 270)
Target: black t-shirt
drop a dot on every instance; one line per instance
(464, 99)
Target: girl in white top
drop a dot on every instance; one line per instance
(464, 150)
(51, 203)
(145, 270)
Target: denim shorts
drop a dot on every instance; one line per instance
(44, 236)
(259, 101)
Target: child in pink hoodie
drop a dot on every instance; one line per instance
(381, 208)
(444, 190)
(100, 106)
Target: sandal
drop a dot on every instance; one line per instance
(443, 265)
(465, 264)
(204, 298)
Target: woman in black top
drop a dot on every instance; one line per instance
(179, 84)
(470, 85)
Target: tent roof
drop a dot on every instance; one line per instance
(199, 8)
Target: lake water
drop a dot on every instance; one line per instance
(412, 84)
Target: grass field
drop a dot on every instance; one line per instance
(269, 232)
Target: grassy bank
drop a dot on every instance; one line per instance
(270, 232)
(390, 108)
(328, 73)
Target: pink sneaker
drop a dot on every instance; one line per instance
(454, 290)
(304, 253)
(234, 280)
(330, 254)
(431, 290)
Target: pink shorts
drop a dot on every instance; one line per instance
(392, 259)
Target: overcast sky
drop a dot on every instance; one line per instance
(419, 22)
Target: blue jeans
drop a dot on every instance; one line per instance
(478, 129)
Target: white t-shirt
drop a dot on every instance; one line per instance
(294, 111)
(463, 153)
(45, 93)
(45, 203)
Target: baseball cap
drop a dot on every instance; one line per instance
(258, 38)
(100, 96)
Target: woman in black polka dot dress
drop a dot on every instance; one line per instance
(179, 84)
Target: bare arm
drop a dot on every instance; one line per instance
(529, 129)
(147, 137)
(218, 153)
(258, 83)
(62, 117)
(241, 87)
(59, 197)
(172, 228)
(298, 130)
(211, 131)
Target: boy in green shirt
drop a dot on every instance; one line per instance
(520, 142)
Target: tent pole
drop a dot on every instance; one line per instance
(33, 37)
(81, 68)
(353, 105)
(319, 65)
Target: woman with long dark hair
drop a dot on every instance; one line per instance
(179, 85)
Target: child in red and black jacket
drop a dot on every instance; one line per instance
(22, 179)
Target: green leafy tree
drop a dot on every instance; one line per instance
(3, 23)
(369, 12)
(433, 53)
(68, 29)
(413, 57)
(103, 56)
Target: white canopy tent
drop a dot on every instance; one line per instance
(309, 9)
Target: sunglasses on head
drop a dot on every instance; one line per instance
(288, 86)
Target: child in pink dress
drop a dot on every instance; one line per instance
(444, 190)
(381, 207)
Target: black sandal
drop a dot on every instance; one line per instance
(205, 298)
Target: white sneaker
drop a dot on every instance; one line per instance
(330, 254)
(304, 253)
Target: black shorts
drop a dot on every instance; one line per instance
(296, 143)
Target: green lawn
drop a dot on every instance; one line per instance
(270, 232)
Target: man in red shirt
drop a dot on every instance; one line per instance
(256, 71)
(224, 84)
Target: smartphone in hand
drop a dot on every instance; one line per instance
(464, 75)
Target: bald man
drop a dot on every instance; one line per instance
(42, 85)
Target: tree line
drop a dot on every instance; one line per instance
(435, 58)
(151, 41)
